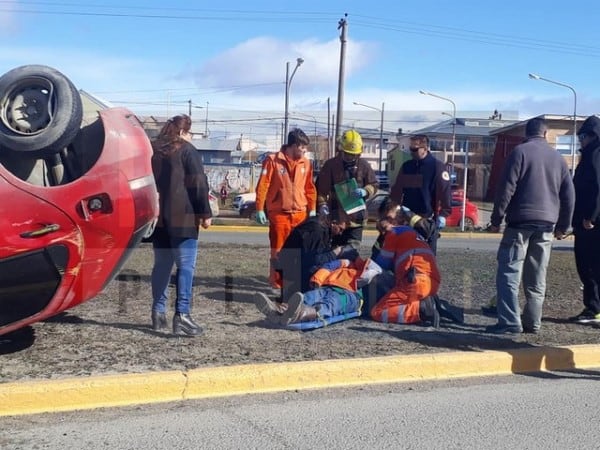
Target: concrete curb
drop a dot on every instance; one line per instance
(265, 230)
(33, 397)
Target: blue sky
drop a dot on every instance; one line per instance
(155, 56)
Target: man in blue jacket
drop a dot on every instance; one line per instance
(535, 196)
(423, 186)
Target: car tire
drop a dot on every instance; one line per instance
(469, 224)
(40, 110)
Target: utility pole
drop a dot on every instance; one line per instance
(343, 24)
(206, 123)
(329, 123)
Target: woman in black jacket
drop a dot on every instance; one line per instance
(184, 207)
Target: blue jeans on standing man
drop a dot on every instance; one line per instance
(523, 255)
(183, 253)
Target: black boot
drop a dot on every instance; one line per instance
(428, 312)
(159, 321)
(448, 311)
(184, 325)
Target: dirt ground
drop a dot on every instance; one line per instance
(112, 333)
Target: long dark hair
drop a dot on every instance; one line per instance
(169, 139)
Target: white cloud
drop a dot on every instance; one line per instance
(262, 60)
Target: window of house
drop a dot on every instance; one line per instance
(564, 143)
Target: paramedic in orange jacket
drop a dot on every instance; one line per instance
(416, 274)
(286, 192)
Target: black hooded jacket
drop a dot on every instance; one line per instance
(587, 177)
(182, 190)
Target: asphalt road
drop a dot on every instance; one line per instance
(556, 410)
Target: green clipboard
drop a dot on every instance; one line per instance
(344, 192)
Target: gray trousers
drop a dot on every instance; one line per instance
(523, 255)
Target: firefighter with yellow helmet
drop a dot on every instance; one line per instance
(346, 168)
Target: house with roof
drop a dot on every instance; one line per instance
(561, 136)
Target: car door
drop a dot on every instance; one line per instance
(40, 253)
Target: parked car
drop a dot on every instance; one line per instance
(454, 220)
(248, 210)
(78, 195)
(241, 199)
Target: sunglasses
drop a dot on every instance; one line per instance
(415, 149)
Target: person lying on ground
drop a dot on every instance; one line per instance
(308, 247)
(336, 291)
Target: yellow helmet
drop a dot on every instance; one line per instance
(351, 142)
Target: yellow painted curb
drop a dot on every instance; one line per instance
(118, 390)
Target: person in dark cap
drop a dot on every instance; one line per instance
(586, 219)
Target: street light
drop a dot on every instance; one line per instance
(205, 117)
(206, 123)
(316, 141)
(288, 82)
(453, 124)
(533, 76)
(464, 202)
(380, 130)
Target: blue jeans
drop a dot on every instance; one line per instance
(183, 253)
(523, 255)
(330, 301)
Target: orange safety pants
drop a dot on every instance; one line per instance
(280, 227)
(401, 303)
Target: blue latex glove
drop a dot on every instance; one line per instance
(261, 217)
(323, 210)
(359, 193)
(440, 222)
(332, 265)
(312, 213)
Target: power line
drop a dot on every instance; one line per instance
(235, 17)
(479, 37)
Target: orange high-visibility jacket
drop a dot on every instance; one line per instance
(345, 277)
(285, 186)
(402, 250)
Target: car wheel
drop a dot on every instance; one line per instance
(40, 110)
(252, 216)
(469, 224)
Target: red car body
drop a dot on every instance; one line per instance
(454, 220)
(61, 244)
(471, 212)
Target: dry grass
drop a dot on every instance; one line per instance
(111, 333)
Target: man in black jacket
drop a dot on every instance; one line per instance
(423, 186)
(586, 219)
(311, 244)
(535, 196)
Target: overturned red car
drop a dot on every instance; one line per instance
(77, 194)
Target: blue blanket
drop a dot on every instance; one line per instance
(320, 323)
